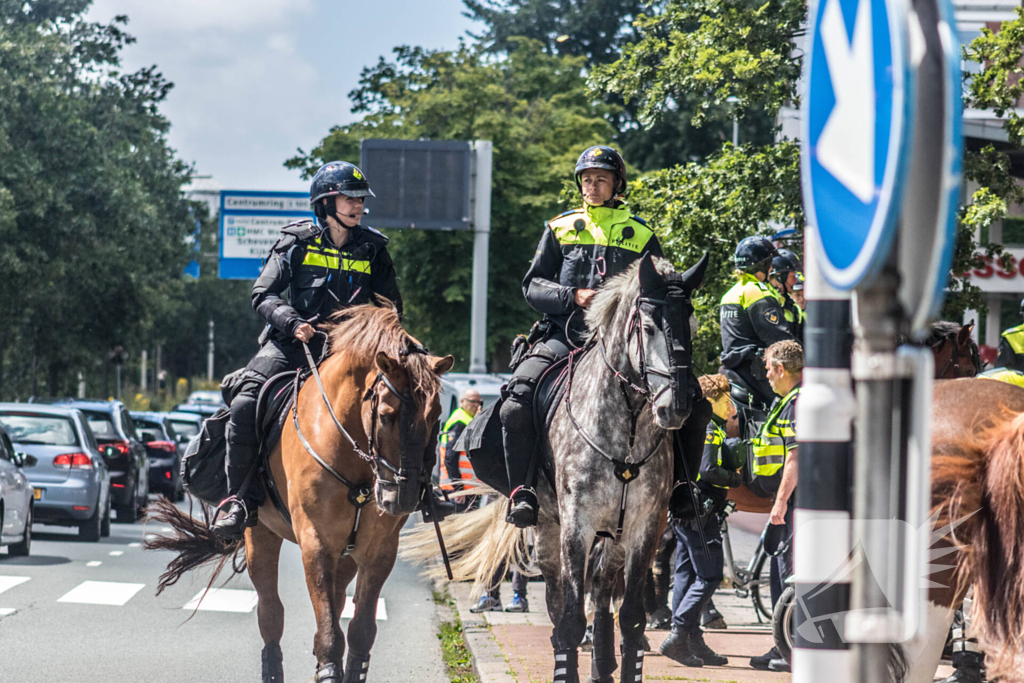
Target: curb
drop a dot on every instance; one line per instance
(489, 661)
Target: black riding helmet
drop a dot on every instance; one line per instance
(754, 254)
(606, 158)
(785, 262)
(334, 178)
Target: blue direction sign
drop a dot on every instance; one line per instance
(250, 224)
(856, 128)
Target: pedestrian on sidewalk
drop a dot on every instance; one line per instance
(491, 601)
(700, 567)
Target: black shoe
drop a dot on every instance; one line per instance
(965, 674)
(701, 649)
(762, 661)
(779, 665)
(231, 525)
(677, 648)
(442, 508)
(660, 619)
(522, 508)
(711, 618)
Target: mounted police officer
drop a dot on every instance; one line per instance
(578, 251)
(327, 266)
(1011, 346)
(783, 277)
(752, 319)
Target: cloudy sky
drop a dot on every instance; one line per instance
(256, 79)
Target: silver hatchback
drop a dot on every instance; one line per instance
(70, 478)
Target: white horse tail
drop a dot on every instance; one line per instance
(480, 544)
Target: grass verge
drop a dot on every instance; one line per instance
(457, 660)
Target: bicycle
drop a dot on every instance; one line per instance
(751, 580)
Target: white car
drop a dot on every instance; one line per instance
(15, 499)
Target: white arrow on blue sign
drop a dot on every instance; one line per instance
(856, 128)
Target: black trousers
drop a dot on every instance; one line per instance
(782, 563)
(520, 433)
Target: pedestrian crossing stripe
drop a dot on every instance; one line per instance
(9, 582)
(350, 609)
(223, 600)
(7, 611)
(102, 593)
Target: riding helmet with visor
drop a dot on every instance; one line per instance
(785, 262)
(754, 254)
(605, 158)
(334, 178)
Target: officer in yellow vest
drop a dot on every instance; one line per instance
(455, 466)
(775, 465)
(1011, 346)
(1015, 377)
(577, 252)
(783, 278)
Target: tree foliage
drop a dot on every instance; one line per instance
(536, 109)
(93, 226)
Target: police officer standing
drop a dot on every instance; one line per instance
(457, 468)
(783, 278)
(752, 319)
(327, 266)
(1011, 346)
(577, 252)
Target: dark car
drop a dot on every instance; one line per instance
(165, 450)
(68, 473)
(125, 455)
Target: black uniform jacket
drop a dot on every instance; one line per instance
(322, 279)
(579, 250)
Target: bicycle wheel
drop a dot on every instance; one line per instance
(760, 587)
(783, 624)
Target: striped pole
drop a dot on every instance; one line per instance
(825, 416)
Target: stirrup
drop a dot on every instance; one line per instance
(522, 513)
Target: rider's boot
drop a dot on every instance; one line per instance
(356, 667)
(967, 667)
(677, 648)
(522, 508)
(241, 458)
(701, 649)
(442, 507)
(273, 664)
(602, 663)
(520, 443)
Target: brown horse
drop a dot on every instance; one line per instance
(383, 387)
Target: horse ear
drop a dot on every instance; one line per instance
(387, 364)
(694, 277)
(964, 335)
(442, 365)
(650, 280)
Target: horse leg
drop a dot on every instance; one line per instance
(262, 553)
(320, 563)
(362, 630)
(576, 542)
(606, 568)
(343, 576)
(632, 618)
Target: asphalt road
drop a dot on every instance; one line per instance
(77, 612)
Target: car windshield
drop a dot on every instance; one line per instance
(47, 430)
(187, 429)
(102, 426)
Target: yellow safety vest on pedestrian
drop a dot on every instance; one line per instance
(460, 416)
(769, 446)
(715, 438)
(1007, 375)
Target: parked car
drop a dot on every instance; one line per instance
(164, 449)
(202, 409)
(186, 425)
(65, 466)
(125, 455)
(212, 398)
(15, 499)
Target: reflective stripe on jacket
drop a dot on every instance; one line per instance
(770, 444)
(456, 423)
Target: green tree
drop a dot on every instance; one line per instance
(92, 221)
(536, 109)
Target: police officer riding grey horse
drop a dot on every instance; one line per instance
(326, 266)
(578, 251)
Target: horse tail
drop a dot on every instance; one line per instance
(480, 544)
(987, 476)
(196, 546)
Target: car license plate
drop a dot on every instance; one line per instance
(37, 494)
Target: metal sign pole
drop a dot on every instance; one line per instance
(483, 152)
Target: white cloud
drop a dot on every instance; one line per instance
(236, 16)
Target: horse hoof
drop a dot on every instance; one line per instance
(328, 673)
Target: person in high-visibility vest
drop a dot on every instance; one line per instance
(456, 470)
(775, 450)
(1011, 346)
(1008, 375)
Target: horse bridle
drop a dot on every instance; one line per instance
(975, 356)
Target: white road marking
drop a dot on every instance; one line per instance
(7, 611)
(223, 600)
(94, 563)
(134, 545)
(102, 593)
(350, 609)
(8, 582)
(116, 553)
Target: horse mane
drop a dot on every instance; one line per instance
(941, 331)
(365, 330)
(624, 287)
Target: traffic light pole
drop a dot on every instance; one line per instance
(483, 152)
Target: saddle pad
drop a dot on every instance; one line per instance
(272, 409)
(550, 387)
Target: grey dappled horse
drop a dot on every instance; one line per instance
(628, 394)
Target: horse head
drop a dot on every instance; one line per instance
(402, 422)
(956, 353)
(663, 359)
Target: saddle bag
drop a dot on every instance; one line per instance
(202, 467)
(762, 487)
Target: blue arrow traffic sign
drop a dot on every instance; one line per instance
(856, 128)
